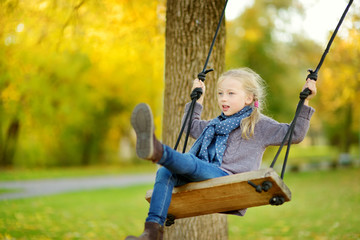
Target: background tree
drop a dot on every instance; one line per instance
(341, 79)
(190, 27)
(70, 73)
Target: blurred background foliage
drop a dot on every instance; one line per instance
(71, 72)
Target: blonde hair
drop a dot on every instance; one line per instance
(253, 85)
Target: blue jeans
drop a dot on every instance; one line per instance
(178, 169)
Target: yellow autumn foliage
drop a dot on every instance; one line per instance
(71, 71)
(339, 88)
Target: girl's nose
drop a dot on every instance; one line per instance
(223, 98)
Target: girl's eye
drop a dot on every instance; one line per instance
(231, 93)
(220, 93)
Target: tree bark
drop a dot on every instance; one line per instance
(190, 28)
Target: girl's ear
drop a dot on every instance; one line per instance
(249, 99)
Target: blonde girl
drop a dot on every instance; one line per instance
(234, 142)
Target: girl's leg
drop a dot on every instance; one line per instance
(178, 169)
(161, 196)
(189, 166)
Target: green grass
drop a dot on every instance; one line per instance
(100, 214)
(6, 190)
(325, 205)
(301, 154)
(41, 173)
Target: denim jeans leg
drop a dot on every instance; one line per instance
(178, 169)
(161, 197)
(189, 166)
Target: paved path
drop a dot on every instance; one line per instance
(53, 186)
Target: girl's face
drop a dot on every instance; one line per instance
(232, 97)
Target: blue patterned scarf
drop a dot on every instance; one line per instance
(218, 128)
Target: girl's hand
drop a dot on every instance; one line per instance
(199, 84)
(310, 84)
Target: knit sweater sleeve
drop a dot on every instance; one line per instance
(197, 125)
(274, 132)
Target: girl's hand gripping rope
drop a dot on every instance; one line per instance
(199, 84)
(310, 85)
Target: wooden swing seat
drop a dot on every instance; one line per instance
(224, 194)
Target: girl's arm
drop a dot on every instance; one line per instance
(275, 132)
(197, 125)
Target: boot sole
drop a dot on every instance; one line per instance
(143, 124)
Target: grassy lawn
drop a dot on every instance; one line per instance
(325, 206)
(2, 191)
(100, 214)
(31, 174)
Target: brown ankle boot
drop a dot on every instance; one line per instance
(147, 146)
(152, 231)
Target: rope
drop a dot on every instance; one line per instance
(313, 74)
(303, 95)
(195, 95)
(212, 44)
(197, 92)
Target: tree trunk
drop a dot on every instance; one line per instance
(7, 151)
(190, 28)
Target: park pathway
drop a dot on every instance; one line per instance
(32, 188)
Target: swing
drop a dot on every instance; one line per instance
(229, 193)
(243, 190)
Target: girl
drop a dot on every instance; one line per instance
(234, 142)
